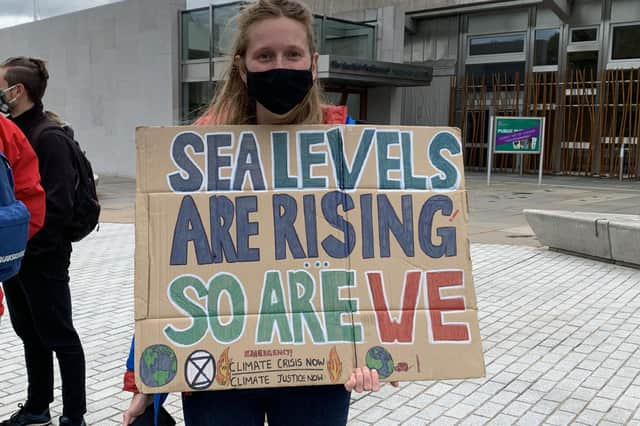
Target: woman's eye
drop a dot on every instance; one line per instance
(295, 54)
(264, 56)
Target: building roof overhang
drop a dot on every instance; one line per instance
(562, 8)
(336, 70)
(367, 73)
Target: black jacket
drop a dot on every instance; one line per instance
(58, 178)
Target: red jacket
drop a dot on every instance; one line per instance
(24, 164)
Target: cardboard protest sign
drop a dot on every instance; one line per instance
(280, 256)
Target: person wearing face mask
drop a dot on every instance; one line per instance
(39, 298)
(272, 80)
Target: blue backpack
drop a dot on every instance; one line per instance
(14, 224)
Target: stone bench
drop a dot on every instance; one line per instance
(608, 236)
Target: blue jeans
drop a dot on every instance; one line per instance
(307, 405)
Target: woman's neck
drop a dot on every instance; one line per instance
(264, 116)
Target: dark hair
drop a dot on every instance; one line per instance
(30, 72)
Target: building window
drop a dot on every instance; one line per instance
(586, 62)
(497, 59)
(344, 38)
(496, 44)
(625, 44)
(195, 99)
(500, 72)
(195, 34)
(546, 47)
(224, 28)
(584, 35)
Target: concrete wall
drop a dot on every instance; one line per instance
(433, 40)
(384, 105)
(112, 68)
(427, 105)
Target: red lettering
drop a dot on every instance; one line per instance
(437, 306)
(391, 330)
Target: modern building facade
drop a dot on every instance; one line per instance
(418, 62)
(112, 68)
(352, 68)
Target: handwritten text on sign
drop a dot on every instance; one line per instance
(310, 215)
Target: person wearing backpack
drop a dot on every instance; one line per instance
(39, 298)
(26, 178)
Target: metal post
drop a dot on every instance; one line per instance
(521, 164)
(323, 26)
(621, 159)
(489, 149)
(542, 138)
(180, 70)
(211, 47)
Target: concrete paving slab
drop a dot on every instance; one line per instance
(561, 336)
(559, 332)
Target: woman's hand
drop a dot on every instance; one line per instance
(139, 403)
(364, 380)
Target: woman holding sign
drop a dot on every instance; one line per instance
(272, 80)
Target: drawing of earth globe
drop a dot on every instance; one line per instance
(380, 359)
(158, 365)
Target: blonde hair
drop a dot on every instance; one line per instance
(231, 104)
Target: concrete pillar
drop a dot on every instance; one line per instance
(390, 34)
(384, 105)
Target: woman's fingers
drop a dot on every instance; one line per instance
(359, 380)
(375, 381)
(351, 383)
(366, 379)
(363, 379)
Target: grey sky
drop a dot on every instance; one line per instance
(14, 12)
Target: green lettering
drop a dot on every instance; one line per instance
(280, 161)
(232, 330)
(272, 311)
(198, 328)
(301, 307)
(335, 307)
(309, 158)
(448, 176)
(386, 163)
(410, 181)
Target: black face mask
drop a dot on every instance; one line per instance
(279, 90)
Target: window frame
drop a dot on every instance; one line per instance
(545, 68)
(621, 63)
(496, 57)
(182, 28)
(581, 46)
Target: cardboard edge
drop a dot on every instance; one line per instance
(136, 354)
(141, 157)
(141, 258)
(477, 370)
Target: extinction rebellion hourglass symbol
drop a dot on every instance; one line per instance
(200, 370)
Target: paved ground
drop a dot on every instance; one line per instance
(496, 210)
(561, 334)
